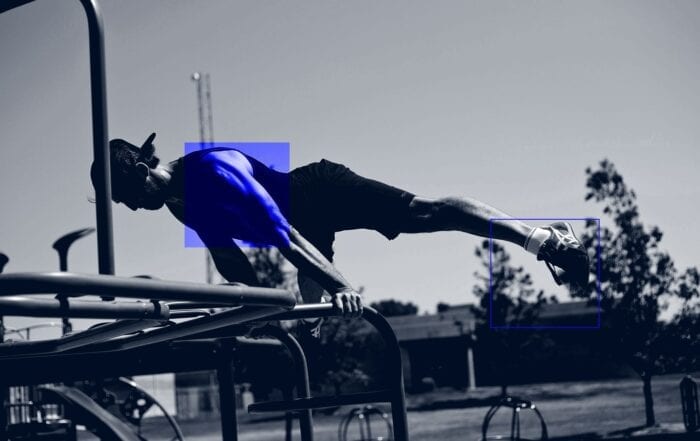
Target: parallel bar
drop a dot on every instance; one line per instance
(74, 366)
(190, 328)
(74, 341)
(100, 141)
(380, 396)
(105, 285)
(33, 307)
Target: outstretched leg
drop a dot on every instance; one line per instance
(556, 244)
(463, 214)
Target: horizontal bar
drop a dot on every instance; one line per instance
(108, 285)
(379, 396)
(311, 310)
(192, 327)
(72, 366)
(74, 341)
(33, 307)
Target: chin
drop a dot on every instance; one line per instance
(155, 205)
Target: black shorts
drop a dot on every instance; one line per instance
(326, 197)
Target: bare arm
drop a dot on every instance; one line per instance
(259, 207)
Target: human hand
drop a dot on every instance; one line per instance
(348, 301)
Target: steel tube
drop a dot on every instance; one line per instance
(301, 371)
(74, 341)
(100, 141)
(192, 327)
(34, 307)
(42, 283)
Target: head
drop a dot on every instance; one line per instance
(135, 181)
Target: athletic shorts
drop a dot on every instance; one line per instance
(326, 197)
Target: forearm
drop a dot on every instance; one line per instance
(308, 260)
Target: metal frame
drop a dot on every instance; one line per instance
(102, 351)
(394, 394)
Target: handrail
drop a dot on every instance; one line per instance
(106, 285)
(33, 307)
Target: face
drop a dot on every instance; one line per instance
(151, 196)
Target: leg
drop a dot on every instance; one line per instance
(462, 214)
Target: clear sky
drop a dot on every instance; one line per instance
(504, 101)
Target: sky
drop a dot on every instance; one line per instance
(504, 101)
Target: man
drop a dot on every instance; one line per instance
(224, 194)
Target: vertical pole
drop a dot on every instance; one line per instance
(393, 353)
(205, 140)
(470, 367)
(100, 145)
(227, 399)
(301, 370)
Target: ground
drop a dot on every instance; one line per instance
(603, 408)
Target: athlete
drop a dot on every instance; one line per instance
(224, 194)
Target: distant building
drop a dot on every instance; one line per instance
(443, 347)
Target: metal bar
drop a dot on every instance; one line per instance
(191, 327)
(377, 396)
(227, 398)
(306, 423)
(74, 341)
(78, 365)
(34, 307)
(42, 283)
(393, 354)
(100, 144)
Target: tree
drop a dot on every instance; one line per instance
(393, 308)
(682, 345)
(634, 275)
(507, 299)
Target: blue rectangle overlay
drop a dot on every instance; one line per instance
(236, 194)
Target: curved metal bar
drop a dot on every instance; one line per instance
(100, 140)
(96, 284)
(33, 307)
(392, 351)
(171, 421)
(73, 341)
(306, 423)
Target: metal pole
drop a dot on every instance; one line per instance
(100, 144)
(301, 371)
(227, 399)
(398, 400)
(62, 245)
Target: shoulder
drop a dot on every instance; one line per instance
(221, 161)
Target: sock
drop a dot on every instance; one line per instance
(535, 240)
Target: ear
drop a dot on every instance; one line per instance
(142, 169)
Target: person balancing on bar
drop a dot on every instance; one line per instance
(223, 194)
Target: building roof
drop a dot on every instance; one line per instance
(459, 320)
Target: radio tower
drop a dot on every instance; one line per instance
(206, 135)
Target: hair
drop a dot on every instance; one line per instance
(123, 156)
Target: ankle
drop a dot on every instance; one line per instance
(535, 239)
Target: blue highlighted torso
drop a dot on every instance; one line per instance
(228, 195)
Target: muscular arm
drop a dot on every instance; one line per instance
(232, 263)
(259, 207)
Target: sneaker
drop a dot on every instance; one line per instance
(565, 256)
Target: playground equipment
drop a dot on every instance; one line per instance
(363, 416)
(140, 337)
(689, 401)
(517, 405)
